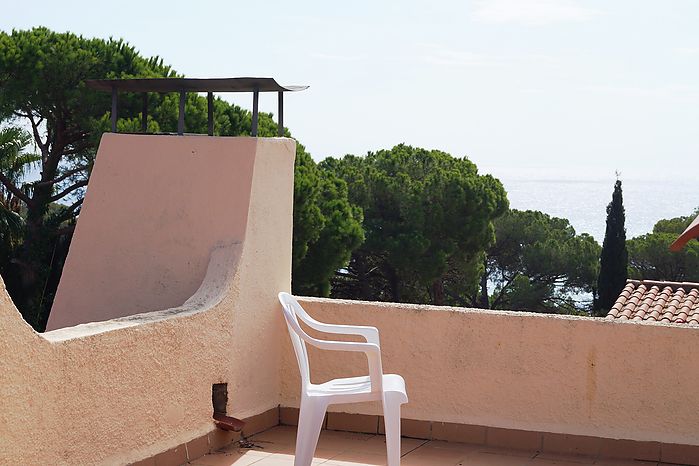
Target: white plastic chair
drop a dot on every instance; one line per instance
(315, 398)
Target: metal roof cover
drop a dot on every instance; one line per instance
(191, 85)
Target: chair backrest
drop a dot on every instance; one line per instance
(291, 308)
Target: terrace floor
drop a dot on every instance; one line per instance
(275, 447)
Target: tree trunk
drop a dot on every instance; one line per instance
(483, 299)
(33, 259)
(394, 283)
(438, 292)
(363, 276)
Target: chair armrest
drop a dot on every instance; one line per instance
(334, 345)
(371, 350)
(370, 334)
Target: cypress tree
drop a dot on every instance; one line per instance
(615, 258)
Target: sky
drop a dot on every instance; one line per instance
(556, 89)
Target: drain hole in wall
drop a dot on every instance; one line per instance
(219, 397)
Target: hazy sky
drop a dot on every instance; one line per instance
(542, 88)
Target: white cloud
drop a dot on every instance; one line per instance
(436, 54)
(531, 12)
(337, 57)
(446, 57)
(533, 90)
(663, 92)
(688, 51)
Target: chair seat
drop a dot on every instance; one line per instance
(358, 386)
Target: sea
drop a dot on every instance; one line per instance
(584, 202)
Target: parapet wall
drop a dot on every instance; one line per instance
(531, 372)
(122, 390)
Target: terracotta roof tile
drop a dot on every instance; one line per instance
(658, 301)
(621, 301)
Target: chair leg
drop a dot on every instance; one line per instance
(391, 416)
(311, 416)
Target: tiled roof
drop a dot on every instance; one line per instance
(670, 302)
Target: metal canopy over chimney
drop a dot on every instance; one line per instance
(184, 85)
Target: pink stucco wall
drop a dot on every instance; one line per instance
(523, 371)
(154, 209)
(121, 390)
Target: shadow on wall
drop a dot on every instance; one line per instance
(144, 235)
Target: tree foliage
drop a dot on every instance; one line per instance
(651, 259)
(427, 219)
(424, 219)
(539, 264)
(614, 258)
(42, 84)
(42, 77)
(327, 228)
(14, 163)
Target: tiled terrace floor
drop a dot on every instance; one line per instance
(275, 447)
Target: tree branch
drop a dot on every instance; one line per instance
(347, 274)
(37, 136)
(72, 137)
(68, 211)
(67, 174)
(73, 150)
(69, 190)
(65, 230)
(14, 189)
(497, 300)
(459, 299)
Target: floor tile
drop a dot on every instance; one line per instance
(554, 462)
(276, 446)
(579, 459)
(618, 462)
(280, 434)
(494, 459)
(432, 455)
(283, 460)
(354, 458)
(341, 441)
(377, 444)
(506, 452)
(229, 459)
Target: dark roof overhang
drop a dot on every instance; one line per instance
(185, 85)
(191, 85)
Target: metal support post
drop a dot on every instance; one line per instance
(180, 121)
(255, 102)
(210, 108)
(280, 131)
(114, 109)
(144, 114)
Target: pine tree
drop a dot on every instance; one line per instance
(614, 259)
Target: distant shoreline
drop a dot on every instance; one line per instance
(645, 201)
